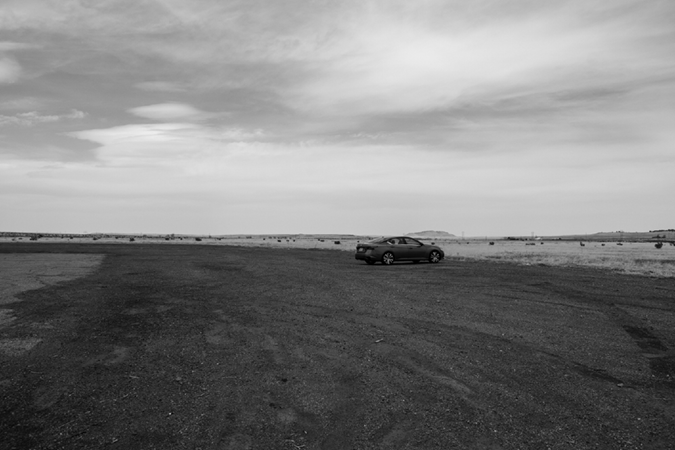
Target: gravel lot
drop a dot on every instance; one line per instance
(216, 347)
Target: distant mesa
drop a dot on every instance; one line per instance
(430, 233)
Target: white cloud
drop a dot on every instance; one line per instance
(75, 114)
(162, 132)
(166, 144)
(137, 133)
(168, 111)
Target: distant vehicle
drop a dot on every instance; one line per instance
(397, 248)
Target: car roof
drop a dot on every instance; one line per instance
(386, 238)
(398, 237)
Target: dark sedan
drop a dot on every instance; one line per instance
(397, 248)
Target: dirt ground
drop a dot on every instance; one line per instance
(215, 347)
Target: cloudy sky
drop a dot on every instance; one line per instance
(321, 116)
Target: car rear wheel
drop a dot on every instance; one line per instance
(434, 256)
(388, 258)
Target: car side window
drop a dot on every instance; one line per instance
(412, 242)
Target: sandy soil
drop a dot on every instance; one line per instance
(214, 347)
(24, 272)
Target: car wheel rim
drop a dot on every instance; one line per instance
(388, 258)
(435, 257)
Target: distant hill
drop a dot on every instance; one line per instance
(430, 233)
(635, 235)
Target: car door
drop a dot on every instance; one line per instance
(414, 249)
(400, 248)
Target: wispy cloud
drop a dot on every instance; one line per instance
(9, 46)
(10, 70)
(168, 111)
(22, 104)
(160, 86)
(31, 118)
(179, 145)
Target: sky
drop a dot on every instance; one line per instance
(377, 117)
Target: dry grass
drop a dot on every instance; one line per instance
(629, 258)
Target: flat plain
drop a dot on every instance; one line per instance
(250, 347)
(637, 257)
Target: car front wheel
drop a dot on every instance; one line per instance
(388, 258)
(434, 256)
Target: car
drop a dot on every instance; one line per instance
(398, 248)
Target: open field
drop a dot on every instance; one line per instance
(232, 347)
(637, 258)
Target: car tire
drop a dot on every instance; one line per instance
(434, 256)
(388, 258)
(369, 262)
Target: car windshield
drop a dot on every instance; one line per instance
(396, 240)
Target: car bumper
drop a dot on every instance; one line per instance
(365, 256)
